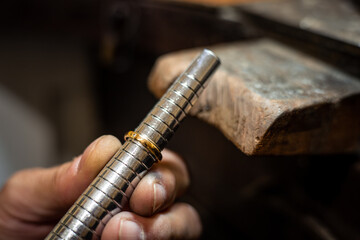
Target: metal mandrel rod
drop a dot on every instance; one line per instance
(112, 188)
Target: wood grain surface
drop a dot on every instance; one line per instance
(269, 99)
(212, 2)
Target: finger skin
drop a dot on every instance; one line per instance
(181, 221)
(79, 175)
(33, 198)
(159, 188)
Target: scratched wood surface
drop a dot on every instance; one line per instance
(271, 100)
(210, 2)
(335, 20)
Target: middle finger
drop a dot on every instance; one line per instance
(159, 188)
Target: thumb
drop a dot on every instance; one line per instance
(71, 179)
(38, 194)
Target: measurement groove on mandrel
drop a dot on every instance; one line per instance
(112, 188)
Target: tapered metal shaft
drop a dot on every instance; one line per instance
(113, 186)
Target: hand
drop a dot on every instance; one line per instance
(32, 201)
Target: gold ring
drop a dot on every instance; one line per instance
(146, 142)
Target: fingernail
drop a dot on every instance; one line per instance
(159, 196)
(130, 230)
(87, 151)
(75, 164)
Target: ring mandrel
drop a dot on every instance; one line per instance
(112, 188)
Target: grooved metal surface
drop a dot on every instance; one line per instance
(112, 188)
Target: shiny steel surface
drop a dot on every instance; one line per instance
(113, 186)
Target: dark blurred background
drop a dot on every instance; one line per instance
(71, 71)
(74, 64)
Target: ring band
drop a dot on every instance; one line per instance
(146, 142)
